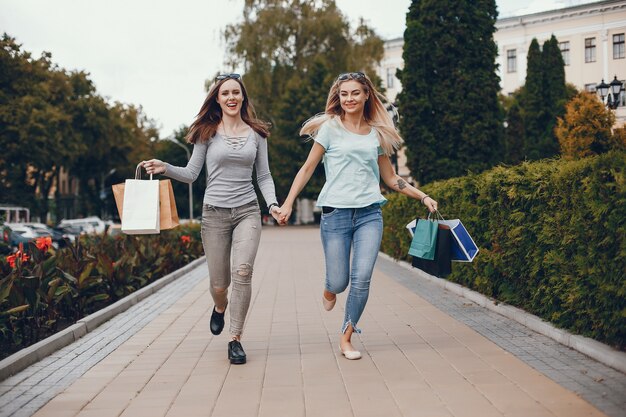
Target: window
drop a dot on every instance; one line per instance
(618, 46)
(590, 50)
(390, 77)
(564, 47)
(511, 60)
(591, 88)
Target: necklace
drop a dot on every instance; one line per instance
(230, 136)
(354, 128)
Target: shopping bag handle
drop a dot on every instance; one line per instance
(138, 172)
(440, 217)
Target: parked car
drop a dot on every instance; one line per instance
(70, 232)
(6, 240)
(114, 229)
(58, 237)
(92, 224)
(14, 233)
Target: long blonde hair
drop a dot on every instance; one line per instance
(374, 113)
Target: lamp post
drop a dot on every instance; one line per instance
(103, 194)
(611, 91)
(190, 184)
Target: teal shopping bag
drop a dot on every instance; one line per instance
(424, 240)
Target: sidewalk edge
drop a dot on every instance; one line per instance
(599, 351)
(21, 359)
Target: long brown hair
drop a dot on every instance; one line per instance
(374, 113)
(209, 117)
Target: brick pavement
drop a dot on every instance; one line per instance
(419, 360)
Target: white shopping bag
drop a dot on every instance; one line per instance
(141, 206)
(463, 247)
(411, 227)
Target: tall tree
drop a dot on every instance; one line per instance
(543, 98)
(534, 112)
(451, 120)
(555, 92)
(291, 51)
(51, 119)
(514, 135)
(36, 135)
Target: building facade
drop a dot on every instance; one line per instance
(591, 37)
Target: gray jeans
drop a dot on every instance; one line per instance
(230, 237)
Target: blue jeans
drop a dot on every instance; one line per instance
(359, 230)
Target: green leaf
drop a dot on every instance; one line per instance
(17, 309)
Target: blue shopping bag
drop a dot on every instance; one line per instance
(463, 247)
(424, 241)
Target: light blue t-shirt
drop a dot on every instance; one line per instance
(351, 166)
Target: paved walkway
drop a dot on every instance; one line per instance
(426, 353)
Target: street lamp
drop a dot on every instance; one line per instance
(174, 141)
(103, 178)
(103, 194)
(611, 92)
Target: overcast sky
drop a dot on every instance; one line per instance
(158, 53)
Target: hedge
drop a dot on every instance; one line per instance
(552, 238)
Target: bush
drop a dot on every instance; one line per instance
(552, 238)
(586, 128)
(43, 291)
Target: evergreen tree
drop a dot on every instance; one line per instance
(555, 92)
(532, 100)
(514, 135)
(451, 120)
(543, 99)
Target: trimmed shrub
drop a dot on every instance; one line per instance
(552, 238)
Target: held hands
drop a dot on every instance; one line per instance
(285, 213)
(153, 166)
(430, 204)
(276, 213)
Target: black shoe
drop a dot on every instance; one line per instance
(236, 355)
(217, 322)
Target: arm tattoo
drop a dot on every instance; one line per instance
(401, 184)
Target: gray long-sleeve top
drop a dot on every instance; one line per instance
(229, 170)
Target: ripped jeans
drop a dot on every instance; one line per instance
(230, 237)
(359, 229)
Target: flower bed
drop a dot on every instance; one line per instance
(43, 290)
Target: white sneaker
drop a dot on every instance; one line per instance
(351, 354)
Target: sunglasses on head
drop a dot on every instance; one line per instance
(225, 76)
(351, 76)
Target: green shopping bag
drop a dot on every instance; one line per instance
(424, 240)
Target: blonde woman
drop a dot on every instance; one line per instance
(354, 137)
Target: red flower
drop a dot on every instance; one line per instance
(11, 259)
(44, 243)
(185, 239)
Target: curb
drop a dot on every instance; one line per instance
(22, 359)
(585, 345)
